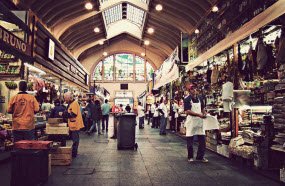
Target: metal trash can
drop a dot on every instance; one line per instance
(126, 133)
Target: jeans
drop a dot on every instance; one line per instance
(201, 147)
(141, 122)
(94, 126)
(75, 139)
(162, 125)
(105, 118)
(19, 135)
(173, 123)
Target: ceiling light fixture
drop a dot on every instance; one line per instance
(105, 53)
(101, 42)
(146, 42)
(197, 31)
(159, 7)
(88, 5)
(215, 9)
(143, 54)
(150, 30)
(96, 30)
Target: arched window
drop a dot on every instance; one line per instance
(123, 67)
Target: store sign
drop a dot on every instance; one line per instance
(13, 41)
(51, 49)
(168, 71)
(124, 94)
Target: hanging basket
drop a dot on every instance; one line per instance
(11, 85)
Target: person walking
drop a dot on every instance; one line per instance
(105, 118)
(75, 121)
(128, 108)
(164, 114)
(174, 116)
(96, 117)
(155, 119)
(141, 115)
(23, 108)
(194, 107)
(151, 112)
(88, 112)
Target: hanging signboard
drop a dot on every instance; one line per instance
(168, 71)
(51, 49)
(13, 41)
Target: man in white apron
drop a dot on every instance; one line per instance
(194, 108)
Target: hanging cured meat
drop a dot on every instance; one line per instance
(280, 57)
(262, 56)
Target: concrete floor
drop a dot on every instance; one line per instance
(160, 160)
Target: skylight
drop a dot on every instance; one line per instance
(113, 14)
(144, 1)
(135, 15)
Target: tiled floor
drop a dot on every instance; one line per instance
(160, 160)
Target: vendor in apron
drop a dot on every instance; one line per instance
(194, 108)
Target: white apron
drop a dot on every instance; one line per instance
(194, 125)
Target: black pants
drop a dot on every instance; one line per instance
(150, 117)
(155, 122)
(173, 122)
(201, 147)
(19, 135)
(105, 118)
(75, 139)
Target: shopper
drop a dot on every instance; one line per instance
(89, 119)
(96, 117)
(23, 108)
(105, 112)
(75, 121)
(155, 119)
(128, 108)
(46, 107)
(57, 111)
(151, 112)
(141, 115)
(194, 108)
(173, 116)
(164, 114)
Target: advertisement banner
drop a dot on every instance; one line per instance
(168, 71)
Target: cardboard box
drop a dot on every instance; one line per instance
(35, 145)
(55, 120)
(57, 130)
(63, 150)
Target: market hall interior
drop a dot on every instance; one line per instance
(142, 92)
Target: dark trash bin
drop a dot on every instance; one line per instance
(127, 132)
(29, 167)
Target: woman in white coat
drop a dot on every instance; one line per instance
(194, 108)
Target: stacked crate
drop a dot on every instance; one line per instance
(55, 126)
(61, 156)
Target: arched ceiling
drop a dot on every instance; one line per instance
(73, 25)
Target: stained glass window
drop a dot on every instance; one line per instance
(139, 69)
(109, 68)
(127, 68)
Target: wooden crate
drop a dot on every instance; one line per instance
(55, 120)
(62, 156)
(56, 125)
(57, 130)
